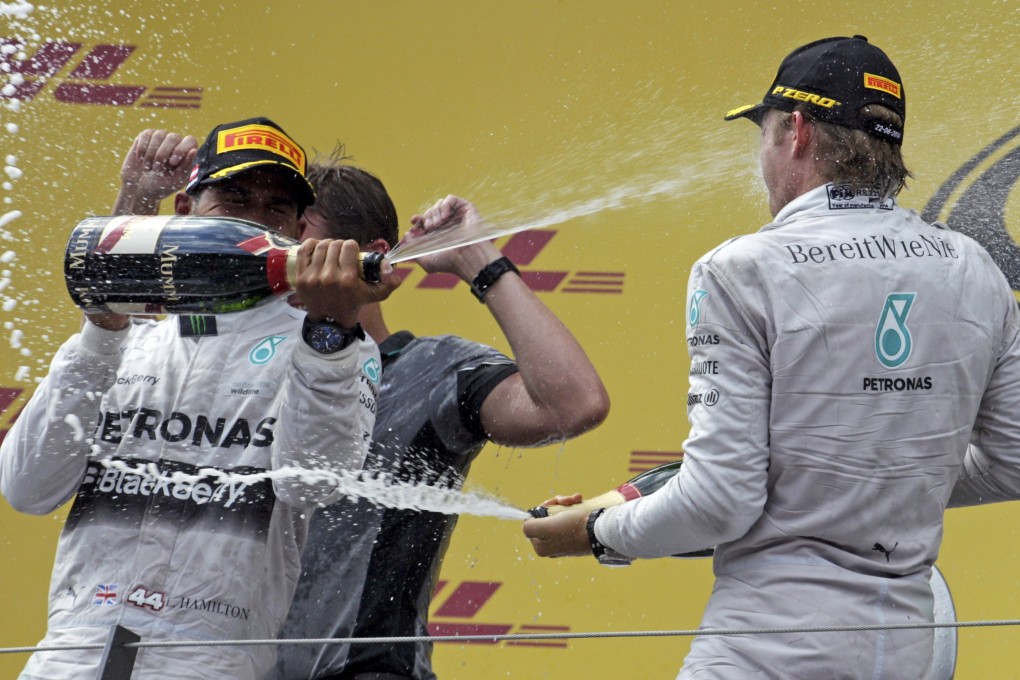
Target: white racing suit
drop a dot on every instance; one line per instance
(184, 554)
(842, 359)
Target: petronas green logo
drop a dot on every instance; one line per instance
(694, 311)
(372, 370)
(892, 337)
(265, 350)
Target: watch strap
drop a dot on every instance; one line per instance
(606, 556)
(597, 549)
(489, 274)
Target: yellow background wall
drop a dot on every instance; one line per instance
(608, 113)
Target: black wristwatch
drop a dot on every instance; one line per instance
(606, 556)
(490, 273)
(326, 336)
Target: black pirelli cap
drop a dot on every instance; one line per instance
(256, 142)
(835, 78)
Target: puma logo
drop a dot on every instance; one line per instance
(881, 548)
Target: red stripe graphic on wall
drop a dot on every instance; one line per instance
(86, 82)
(595, 282)
(522, 249)
(465, 602)
(642, 461)
(468, 598)
(173, 98)
(7, 397)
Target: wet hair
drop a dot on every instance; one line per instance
(855, 158)
(353, 202)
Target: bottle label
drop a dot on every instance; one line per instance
(276, 253)
(119, 238)
(138, 308)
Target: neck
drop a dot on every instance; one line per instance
(802, 179)
(371, 319)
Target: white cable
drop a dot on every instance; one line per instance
(528, 636)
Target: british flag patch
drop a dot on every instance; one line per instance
(106, 594)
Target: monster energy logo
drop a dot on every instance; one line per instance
(892, 338)
(694, 312)
(197, 325)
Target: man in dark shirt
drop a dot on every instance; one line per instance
(369, 571)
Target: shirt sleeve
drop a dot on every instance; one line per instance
(44, 456)
(474, 384)
(327, 412)
(991, 466)
(463, 374)
(720, 490)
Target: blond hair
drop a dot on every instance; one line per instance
(855, 158)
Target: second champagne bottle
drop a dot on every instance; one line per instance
(641, 485)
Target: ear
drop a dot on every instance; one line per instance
(378, 245)
(182, 203)
(804, 133)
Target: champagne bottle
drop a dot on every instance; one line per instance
(641, 485)
(181, 265)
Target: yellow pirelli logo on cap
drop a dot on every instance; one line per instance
(261, 137)
(873, 82)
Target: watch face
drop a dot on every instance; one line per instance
(327, 338)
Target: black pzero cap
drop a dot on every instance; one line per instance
(253, 143)
(835, 78)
